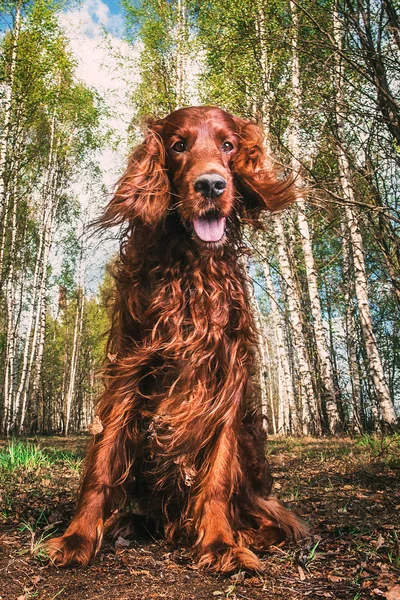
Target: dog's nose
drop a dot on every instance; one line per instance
(210, 185)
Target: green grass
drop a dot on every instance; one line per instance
(387, 447)
(38, 532)
(70, 459)
(29, 456)
(22, 455)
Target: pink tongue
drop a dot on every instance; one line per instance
(209, 228)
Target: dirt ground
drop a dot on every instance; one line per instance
(347, 490)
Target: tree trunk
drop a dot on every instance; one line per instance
(311, 419)
(388, 415)
(77, 335)
(354, 413)
(5, 137)
(261, 364)
(181, 79)
(265, 72)
(326, 375)
(34, 421)
(288, 419)
(11, 325)
(38, 301)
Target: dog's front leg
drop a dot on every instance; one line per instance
(215, 546)
(105, 469)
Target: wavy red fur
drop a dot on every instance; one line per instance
(181, 435)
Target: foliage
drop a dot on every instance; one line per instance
(245, 56)
(23, 455)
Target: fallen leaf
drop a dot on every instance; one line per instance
(218, 593)
(122, 543)
(393, 593)
(336, 578)
(96, 427)
(301, 573)
(238, 577)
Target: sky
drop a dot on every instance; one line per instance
(106, 63)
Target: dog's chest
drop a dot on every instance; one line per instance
(199, 310)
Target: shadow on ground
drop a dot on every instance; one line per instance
(348, 490)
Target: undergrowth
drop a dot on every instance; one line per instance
(30, 456)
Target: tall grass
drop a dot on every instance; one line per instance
(385, 447)
(26, 455)
(29, 456)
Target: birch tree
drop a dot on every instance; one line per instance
(386, 406)
(311, 418)
(288, 421)
(167, 59)
(333, 419)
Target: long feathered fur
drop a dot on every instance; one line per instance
(181, 432)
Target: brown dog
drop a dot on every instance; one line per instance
(181, 432)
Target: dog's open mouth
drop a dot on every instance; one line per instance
(210, 227)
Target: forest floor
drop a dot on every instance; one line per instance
(348, 490)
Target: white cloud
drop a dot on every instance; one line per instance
(105, 62)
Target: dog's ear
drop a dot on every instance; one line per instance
(143, 192)
(256, 178)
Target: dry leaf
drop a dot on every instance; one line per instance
(301, 573)
(336, 578)
(238, 577)
(96, 427)
(122, 542)
(393, 593)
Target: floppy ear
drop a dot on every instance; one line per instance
(143, 191)
(256, 177)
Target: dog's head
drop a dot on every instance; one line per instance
(203, 163)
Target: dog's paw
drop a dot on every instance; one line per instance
(71, 549)
(228, 559)
(74, 548)
(260, 539)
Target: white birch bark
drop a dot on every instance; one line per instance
(385, 401)
(318, 325)
(288, 421)
(261, 365)
(38, 368)
(5, 135)
(49, 207)
(311, 273)
(351, 337)
(30, 349)
(11, 325)
(181, 83)
(77, 335)
(265, 72)
(270, 387)
(311, 421)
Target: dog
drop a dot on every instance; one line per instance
(181, 434)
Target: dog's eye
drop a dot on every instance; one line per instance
(227, 147)
(179, 147)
